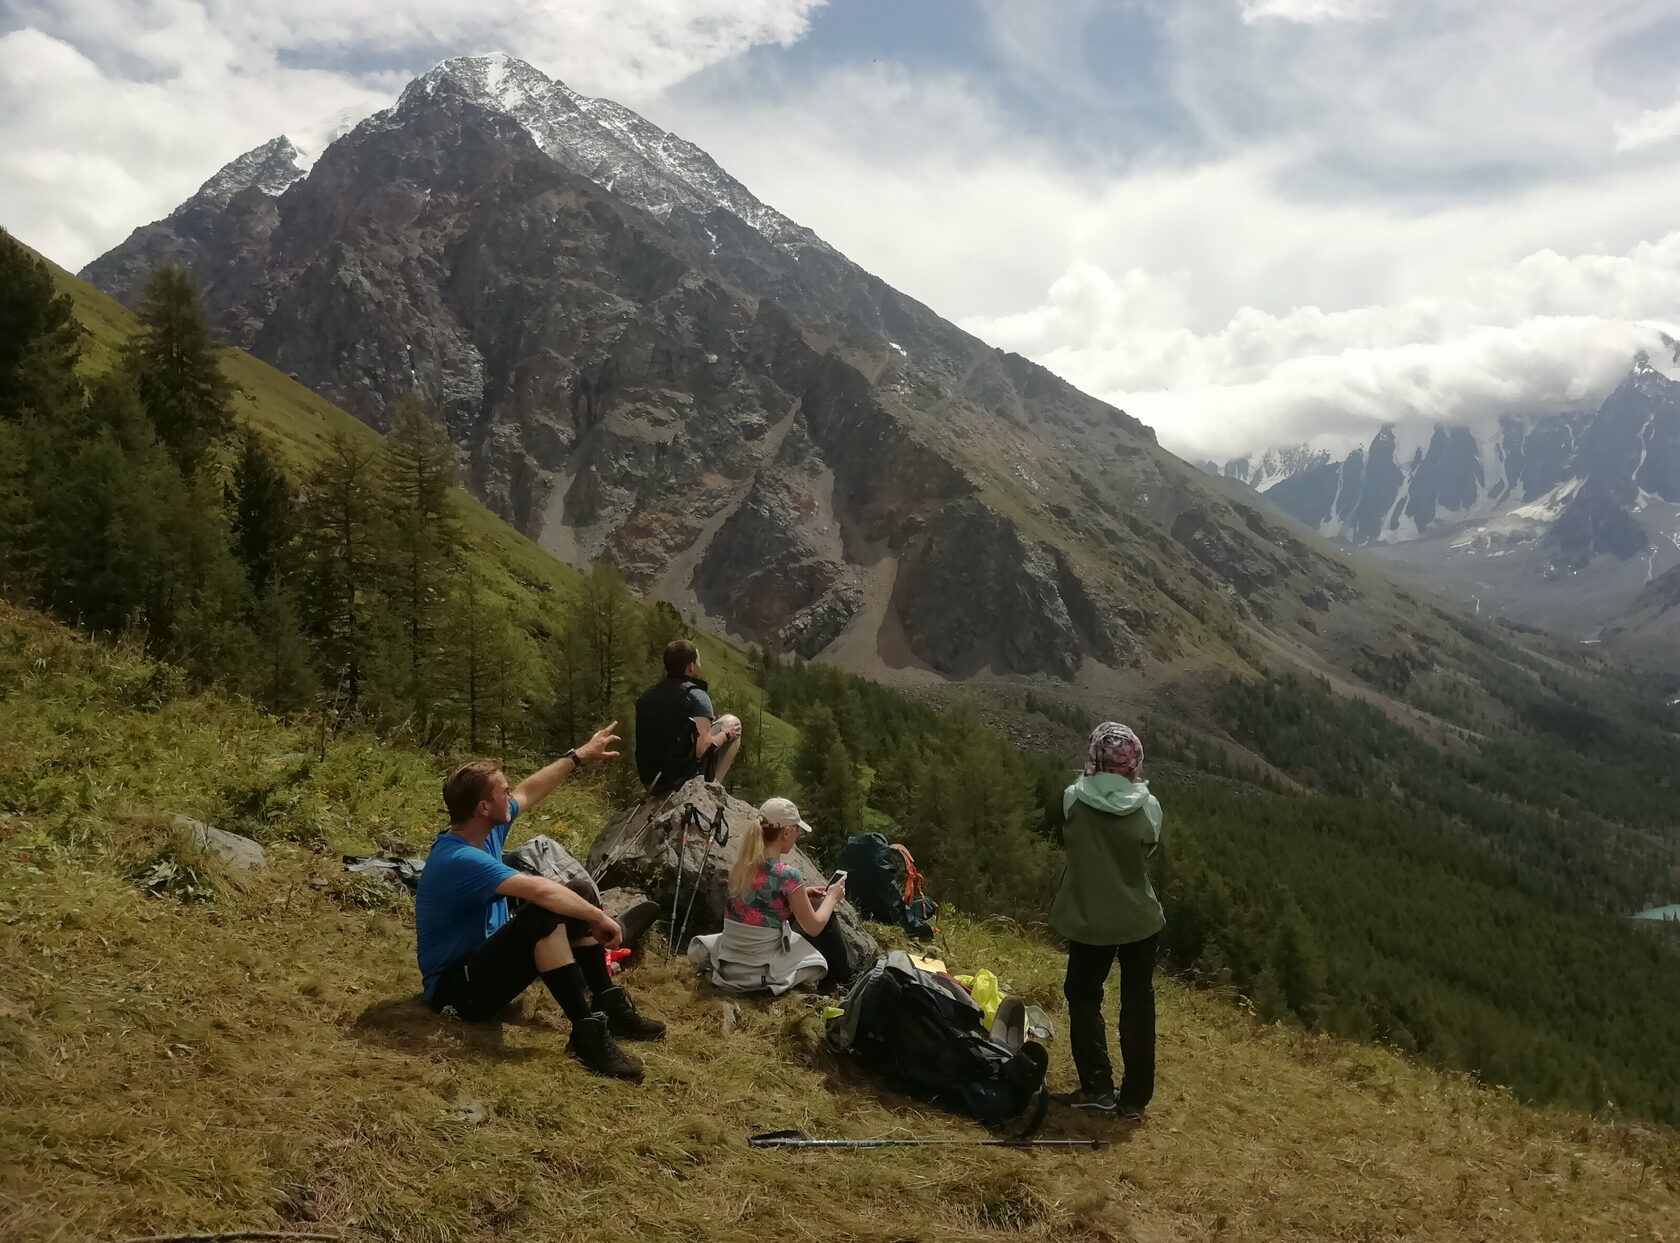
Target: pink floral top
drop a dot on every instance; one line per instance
(767, 902)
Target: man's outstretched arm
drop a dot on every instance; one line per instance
(540, 784)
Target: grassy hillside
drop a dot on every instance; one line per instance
(251, 1057)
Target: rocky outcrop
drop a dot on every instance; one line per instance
(974, 595)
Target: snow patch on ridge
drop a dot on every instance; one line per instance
(610, 145)
(269, 169)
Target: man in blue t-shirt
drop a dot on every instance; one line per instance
(474, 959)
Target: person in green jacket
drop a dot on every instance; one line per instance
(1108, 911)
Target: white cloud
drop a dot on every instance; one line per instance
(1307, 10)
(1550, 333)
(1651, 126)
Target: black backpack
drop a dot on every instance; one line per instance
(871, 864)
(926, 1039)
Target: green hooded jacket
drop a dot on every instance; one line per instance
(1112, 828)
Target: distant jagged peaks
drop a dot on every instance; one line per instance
(1275, 465)
(1568, 487)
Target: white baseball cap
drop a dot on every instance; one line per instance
(781, 812)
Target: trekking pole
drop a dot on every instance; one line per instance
(682, 859)
(719, 836)
(631, 840)
(798, 1139)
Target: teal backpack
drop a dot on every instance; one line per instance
(874, 885)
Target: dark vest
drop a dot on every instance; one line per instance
(665, 733)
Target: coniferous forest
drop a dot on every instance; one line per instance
(1460, 897)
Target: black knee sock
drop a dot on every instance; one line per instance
(593, 960)
(566, 983)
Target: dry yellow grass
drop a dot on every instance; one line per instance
(257, 1061)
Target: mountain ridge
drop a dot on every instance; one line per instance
(639, 372)
(1561, 518)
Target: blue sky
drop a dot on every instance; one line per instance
(1247, 221)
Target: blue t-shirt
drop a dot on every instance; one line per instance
(456, 907)
(699, 703)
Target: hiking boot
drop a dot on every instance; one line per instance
(592, 1044)
(623, 1019)
(1132, 1113)
(1103, 1102)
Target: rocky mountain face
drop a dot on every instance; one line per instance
(1561, 499)
(640, 360)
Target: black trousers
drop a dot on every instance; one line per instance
(832, 946)
(1087, 970)
(483, 984)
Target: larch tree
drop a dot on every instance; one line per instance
(40, 339)
(175, 361)
(425, 544)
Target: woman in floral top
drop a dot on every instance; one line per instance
(768, 907)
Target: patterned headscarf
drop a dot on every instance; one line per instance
(1114, 749)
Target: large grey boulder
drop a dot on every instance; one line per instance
(236, 851)
(639, 849)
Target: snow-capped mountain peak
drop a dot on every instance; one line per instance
(606, 142)
(269, 168)
(603, 141)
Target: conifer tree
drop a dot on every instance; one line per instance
(341, 606)
(426, 541)
(830, 791)
(135, 546)
(285, 680)
(264, 514)
(108, 538)
(40, 339)
(817, 731)
(1299, 967)
(662, 625)
(490, 663)
(175, 361)
(596, 652)
(23, 458)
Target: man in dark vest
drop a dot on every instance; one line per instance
(678, 734)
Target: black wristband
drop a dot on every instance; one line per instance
(572, 755)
